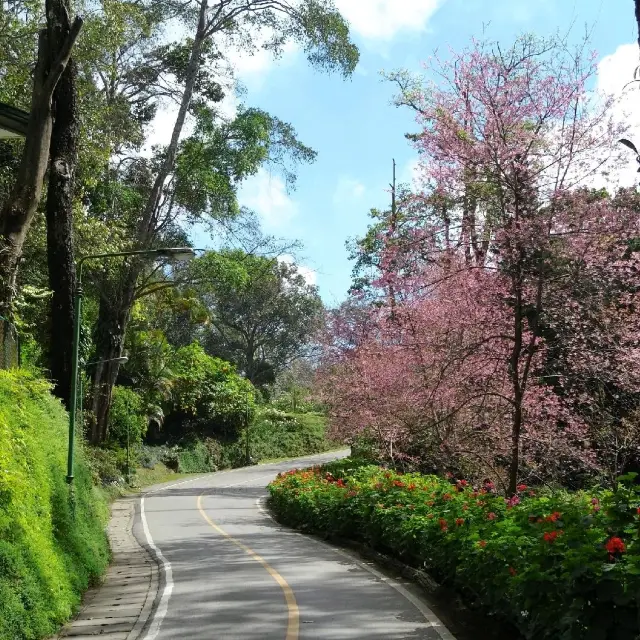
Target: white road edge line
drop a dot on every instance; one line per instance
(163, 607)
(429, 616)
(160, 613)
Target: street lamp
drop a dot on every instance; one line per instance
(174, 253)
(630, 145)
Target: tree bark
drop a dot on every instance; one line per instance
(59, 211)
(113, 317)
(17, 214)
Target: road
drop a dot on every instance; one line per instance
(232, 573)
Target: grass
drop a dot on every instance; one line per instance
(52, 537)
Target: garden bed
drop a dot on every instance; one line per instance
(554, 564)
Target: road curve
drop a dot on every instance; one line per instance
(232, 573)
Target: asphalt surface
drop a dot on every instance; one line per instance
(231, 573)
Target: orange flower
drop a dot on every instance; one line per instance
(482, 543)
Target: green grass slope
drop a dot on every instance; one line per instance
(52, 545)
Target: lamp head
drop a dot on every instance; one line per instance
(177, 253)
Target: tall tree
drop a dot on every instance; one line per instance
(263, 314)
(60, 204)
(324, 35)
(19, 209)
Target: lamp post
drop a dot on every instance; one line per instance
(248, 451)
(176, 253)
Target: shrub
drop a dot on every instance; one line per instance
(52, 542)
(553, 563)
(127, 416)
(211, 392)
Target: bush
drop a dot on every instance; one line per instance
(52, 543)
(555, 564)
(210, 392)
(276, 434)
(127, 416)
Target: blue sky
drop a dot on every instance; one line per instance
(355, 129)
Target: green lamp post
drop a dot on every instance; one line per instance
(174, 253)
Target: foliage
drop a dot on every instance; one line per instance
(552, 563)
(263, 313)
(52, 545)
(276, 434)
(127, 420)
(209, 390)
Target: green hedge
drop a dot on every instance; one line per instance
(554, 564)
(48, 556)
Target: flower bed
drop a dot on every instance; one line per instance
(554, 564)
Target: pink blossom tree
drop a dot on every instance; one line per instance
(486, 265)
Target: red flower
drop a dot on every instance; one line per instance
(446, 496)
(521, 487)
(411, 487)
(459, 521)
(482, 543)
(398, 483)
(340, 483)
(443, 524)
(512, 571)
(550, 536)
(463, 483)
(556, 515)
(465, 507)
(491, 516)
(615, 545)
(429, 503)
(638, 510)
(512, 502)
(532, 494)
(489, 486)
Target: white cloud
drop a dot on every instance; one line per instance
(384, 19)
(348, 190)
(253, 69)
(267, 196)
(310, 275)
(411, 172)
(615, 76)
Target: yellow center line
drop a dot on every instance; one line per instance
(293, 624)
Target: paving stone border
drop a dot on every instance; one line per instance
(121, 606)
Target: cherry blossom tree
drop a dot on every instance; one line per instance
(505, 252)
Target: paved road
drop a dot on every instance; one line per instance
(232, 573)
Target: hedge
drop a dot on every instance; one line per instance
(554, 564)
(51, 546)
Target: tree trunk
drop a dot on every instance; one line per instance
(149, 217)
(59, 212)
(113, 316)
(17, 214)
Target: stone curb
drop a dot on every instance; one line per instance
(120, 607)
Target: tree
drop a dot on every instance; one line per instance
(60, 204)
(485, 263)
(325, 37)
(19, 208)
(263, 314)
